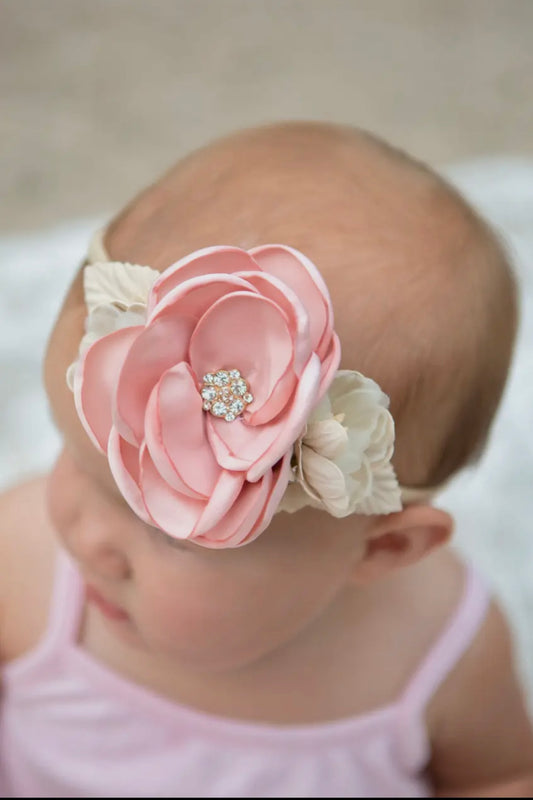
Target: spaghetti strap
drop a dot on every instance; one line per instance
(67, 601)
(453, 642)
(66, 604)
(64, 616)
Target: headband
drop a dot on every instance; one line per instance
(213, 389)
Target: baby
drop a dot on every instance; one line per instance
(234, 583)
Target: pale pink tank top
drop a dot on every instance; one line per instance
(70, 727)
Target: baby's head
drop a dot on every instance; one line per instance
(424, 304)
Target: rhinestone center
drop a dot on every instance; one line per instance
(225, 394)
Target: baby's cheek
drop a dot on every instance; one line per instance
(186, 607)
(180, 607)
(209, 618)
(74, 497)
(63, 492)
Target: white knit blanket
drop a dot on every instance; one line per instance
(493, 504)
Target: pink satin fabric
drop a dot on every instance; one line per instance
(265, 312)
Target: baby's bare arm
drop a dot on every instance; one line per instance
(9, 513)
(482, 739)
(27, 553)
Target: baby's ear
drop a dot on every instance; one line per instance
(400, 539)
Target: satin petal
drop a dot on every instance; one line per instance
(124, 464)
(159, 347)
(176, 436)
(301, 275)
(281, 294)
(325, 343)
(275, 290)
(242, 516)
(208, 261)
(95, 382)
(276, 402)
(280, 478)
(247, 332)
(169, 510)
(224, 495)
(330, 365)
(194, 297)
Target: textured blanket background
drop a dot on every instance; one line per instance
(493, 504)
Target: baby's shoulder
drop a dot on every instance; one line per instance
(27, 555)
(431, 591)
(414, 605)
(398, 621)
(435, 603)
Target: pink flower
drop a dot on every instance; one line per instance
(265, 313)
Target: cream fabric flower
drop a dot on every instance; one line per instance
(124, 285)
(341, 463)
(116, 296)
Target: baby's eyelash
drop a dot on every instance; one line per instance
(176, 544)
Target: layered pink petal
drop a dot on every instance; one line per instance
(330, 365)
(209, 261)
(281, 473)
(156, 349)
(192, 298)
(301, 275)
(236, 445)
(124, 464)
(176, 437)
(325, 342)
(225, 493)
(174, 513)
(242, 516)
(248, 332)
(277, 400)
(280, 293)
(95, 381)
(269, 286)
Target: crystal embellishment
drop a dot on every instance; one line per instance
(209, 393)
(225, 394)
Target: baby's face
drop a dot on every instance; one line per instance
(213, 609)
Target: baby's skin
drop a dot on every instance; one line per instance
(319, 618)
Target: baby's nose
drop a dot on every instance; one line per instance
(96, 531)
(110, 564)
(102, 553)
